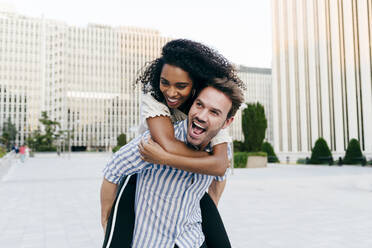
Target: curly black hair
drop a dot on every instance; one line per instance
(203, 64)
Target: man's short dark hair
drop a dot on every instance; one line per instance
(232, 90)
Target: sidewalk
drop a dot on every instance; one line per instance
(53, 202)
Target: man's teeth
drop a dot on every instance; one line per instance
(198, 126)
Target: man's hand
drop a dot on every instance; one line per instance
(215, 190)
(108, 193)
(152, 152)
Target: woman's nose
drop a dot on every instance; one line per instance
(171, 92)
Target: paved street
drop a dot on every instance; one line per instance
(52, 201)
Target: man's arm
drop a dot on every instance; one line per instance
(108, 194)
(215, 190)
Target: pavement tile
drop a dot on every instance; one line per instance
(52, 202)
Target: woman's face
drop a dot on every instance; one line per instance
(175, 84)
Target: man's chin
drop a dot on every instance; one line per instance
(193, 140)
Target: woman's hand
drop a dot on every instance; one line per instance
(152, 152)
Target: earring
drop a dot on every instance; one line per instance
(193, 92)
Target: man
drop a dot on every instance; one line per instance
(167, 199)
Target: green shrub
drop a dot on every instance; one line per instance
(2, 151)
(238, 146)
(259, 154)
(271, 156)
(46, 148)
(116, 148)
(121, 140)
(301, 161)
(254, 124)
(240, 159)
(321, 154)
(353, 153)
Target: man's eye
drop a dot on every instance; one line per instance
(214, 113)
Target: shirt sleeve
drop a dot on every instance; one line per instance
(151, 107)
(229, 156)
(221, 137)
(126, 161)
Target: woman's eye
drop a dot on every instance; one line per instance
(181, 87)
(164, 82)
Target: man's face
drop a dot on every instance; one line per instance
(207, 116)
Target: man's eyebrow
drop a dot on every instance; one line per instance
(217, 110)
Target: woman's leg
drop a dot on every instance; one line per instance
(120, 226)
(213, 228)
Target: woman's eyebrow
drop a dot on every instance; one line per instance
(161, 78)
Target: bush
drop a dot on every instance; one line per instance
(301, 161)
(254, 124)
(257, 154)
(2, 151)
(121, 140)
(46, 148)
(116, 148)
(238, 146)
(321, 154)
(240, 159)
(353, 153)
(271, 156)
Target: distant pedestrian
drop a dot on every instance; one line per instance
(22, 151)
(16, 149)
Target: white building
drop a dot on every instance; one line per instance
(259, 89)
(322, 54)
(83, 77)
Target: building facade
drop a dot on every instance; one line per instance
(258, 83)
(322, 77)
(83, 77)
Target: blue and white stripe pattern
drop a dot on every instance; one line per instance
(167, 199)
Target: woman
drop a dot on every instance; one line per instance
(170, 84)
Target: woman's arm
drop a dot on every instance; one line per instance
(178, 155)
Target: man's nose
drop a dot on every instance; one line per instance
(202, 115)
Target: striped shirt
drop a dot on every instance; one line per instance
(167, 199)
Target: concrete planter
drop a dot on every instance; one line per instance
(256, 162)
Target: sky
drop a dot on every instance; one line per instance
(238, 29)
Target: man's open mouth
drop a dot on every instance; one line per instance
(197, 128)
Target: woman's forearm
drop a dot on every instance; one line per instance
(209, 165)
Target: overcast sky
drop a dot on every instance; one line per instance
(239, 29)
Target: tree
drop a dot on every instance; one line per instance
(44, 141)
(353, 153)
(271, 156)
(321, 153)
(254, 124)
(50, 128)
(9, 134)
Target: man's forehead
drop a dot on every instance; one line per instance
(215, 99)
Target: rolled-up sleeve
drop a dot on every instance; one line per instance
(124, 162)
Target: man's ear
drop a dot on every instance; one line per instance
(228, 122)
